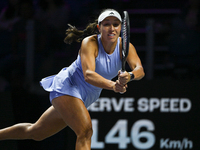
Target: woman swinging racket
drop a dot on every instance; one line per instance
(76, 87)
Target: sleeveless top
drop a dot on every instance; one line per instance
(70, 80)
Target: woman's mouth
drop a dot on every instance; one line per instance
(111, 35)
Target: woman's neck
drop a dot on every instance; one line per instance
(108, 46)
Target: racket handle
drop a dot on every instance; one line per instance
(121, 72)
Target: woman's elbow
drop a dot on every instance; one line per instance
(87, 75)
(141, 74)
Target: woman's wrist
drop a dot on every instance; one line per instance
(132, 76)
(112, 86)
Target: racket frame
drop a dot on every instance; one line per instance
(125, 36)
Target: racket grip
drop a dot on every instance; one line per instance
(121, 72)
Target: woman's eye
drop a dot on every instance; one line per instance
(109, 24)
(116, 25)
(106, 24)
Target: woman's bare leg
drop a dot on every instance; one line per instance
(67, 110)
(76, 116)
(48, 124)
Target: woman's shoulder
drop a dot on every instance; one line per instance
(90, 43)
(91, 38)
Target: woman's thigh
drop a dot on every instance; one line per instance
(47, 125)
(73, 112)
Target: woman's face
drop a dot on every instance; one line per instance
(110, 29)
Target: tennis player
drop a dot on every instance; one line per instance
(76, 87)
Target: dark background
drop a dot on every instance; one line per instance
(174, 72)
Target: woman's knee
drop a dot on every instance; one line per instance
(85, 133)
(37, 137)
(35, 133)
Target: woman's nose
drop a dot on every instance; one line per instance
(111, 27)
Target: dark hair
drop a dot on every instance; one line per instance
(73, 34)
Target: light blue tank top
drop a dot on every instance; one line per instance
(70, 80)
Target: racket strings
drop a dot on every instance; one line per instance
(124, 35)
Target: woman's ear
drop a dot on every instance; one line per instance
(98, 27)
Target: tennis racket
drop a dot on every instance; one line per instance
(125, 36)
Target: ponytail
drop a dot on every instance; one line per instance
(73, 34)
